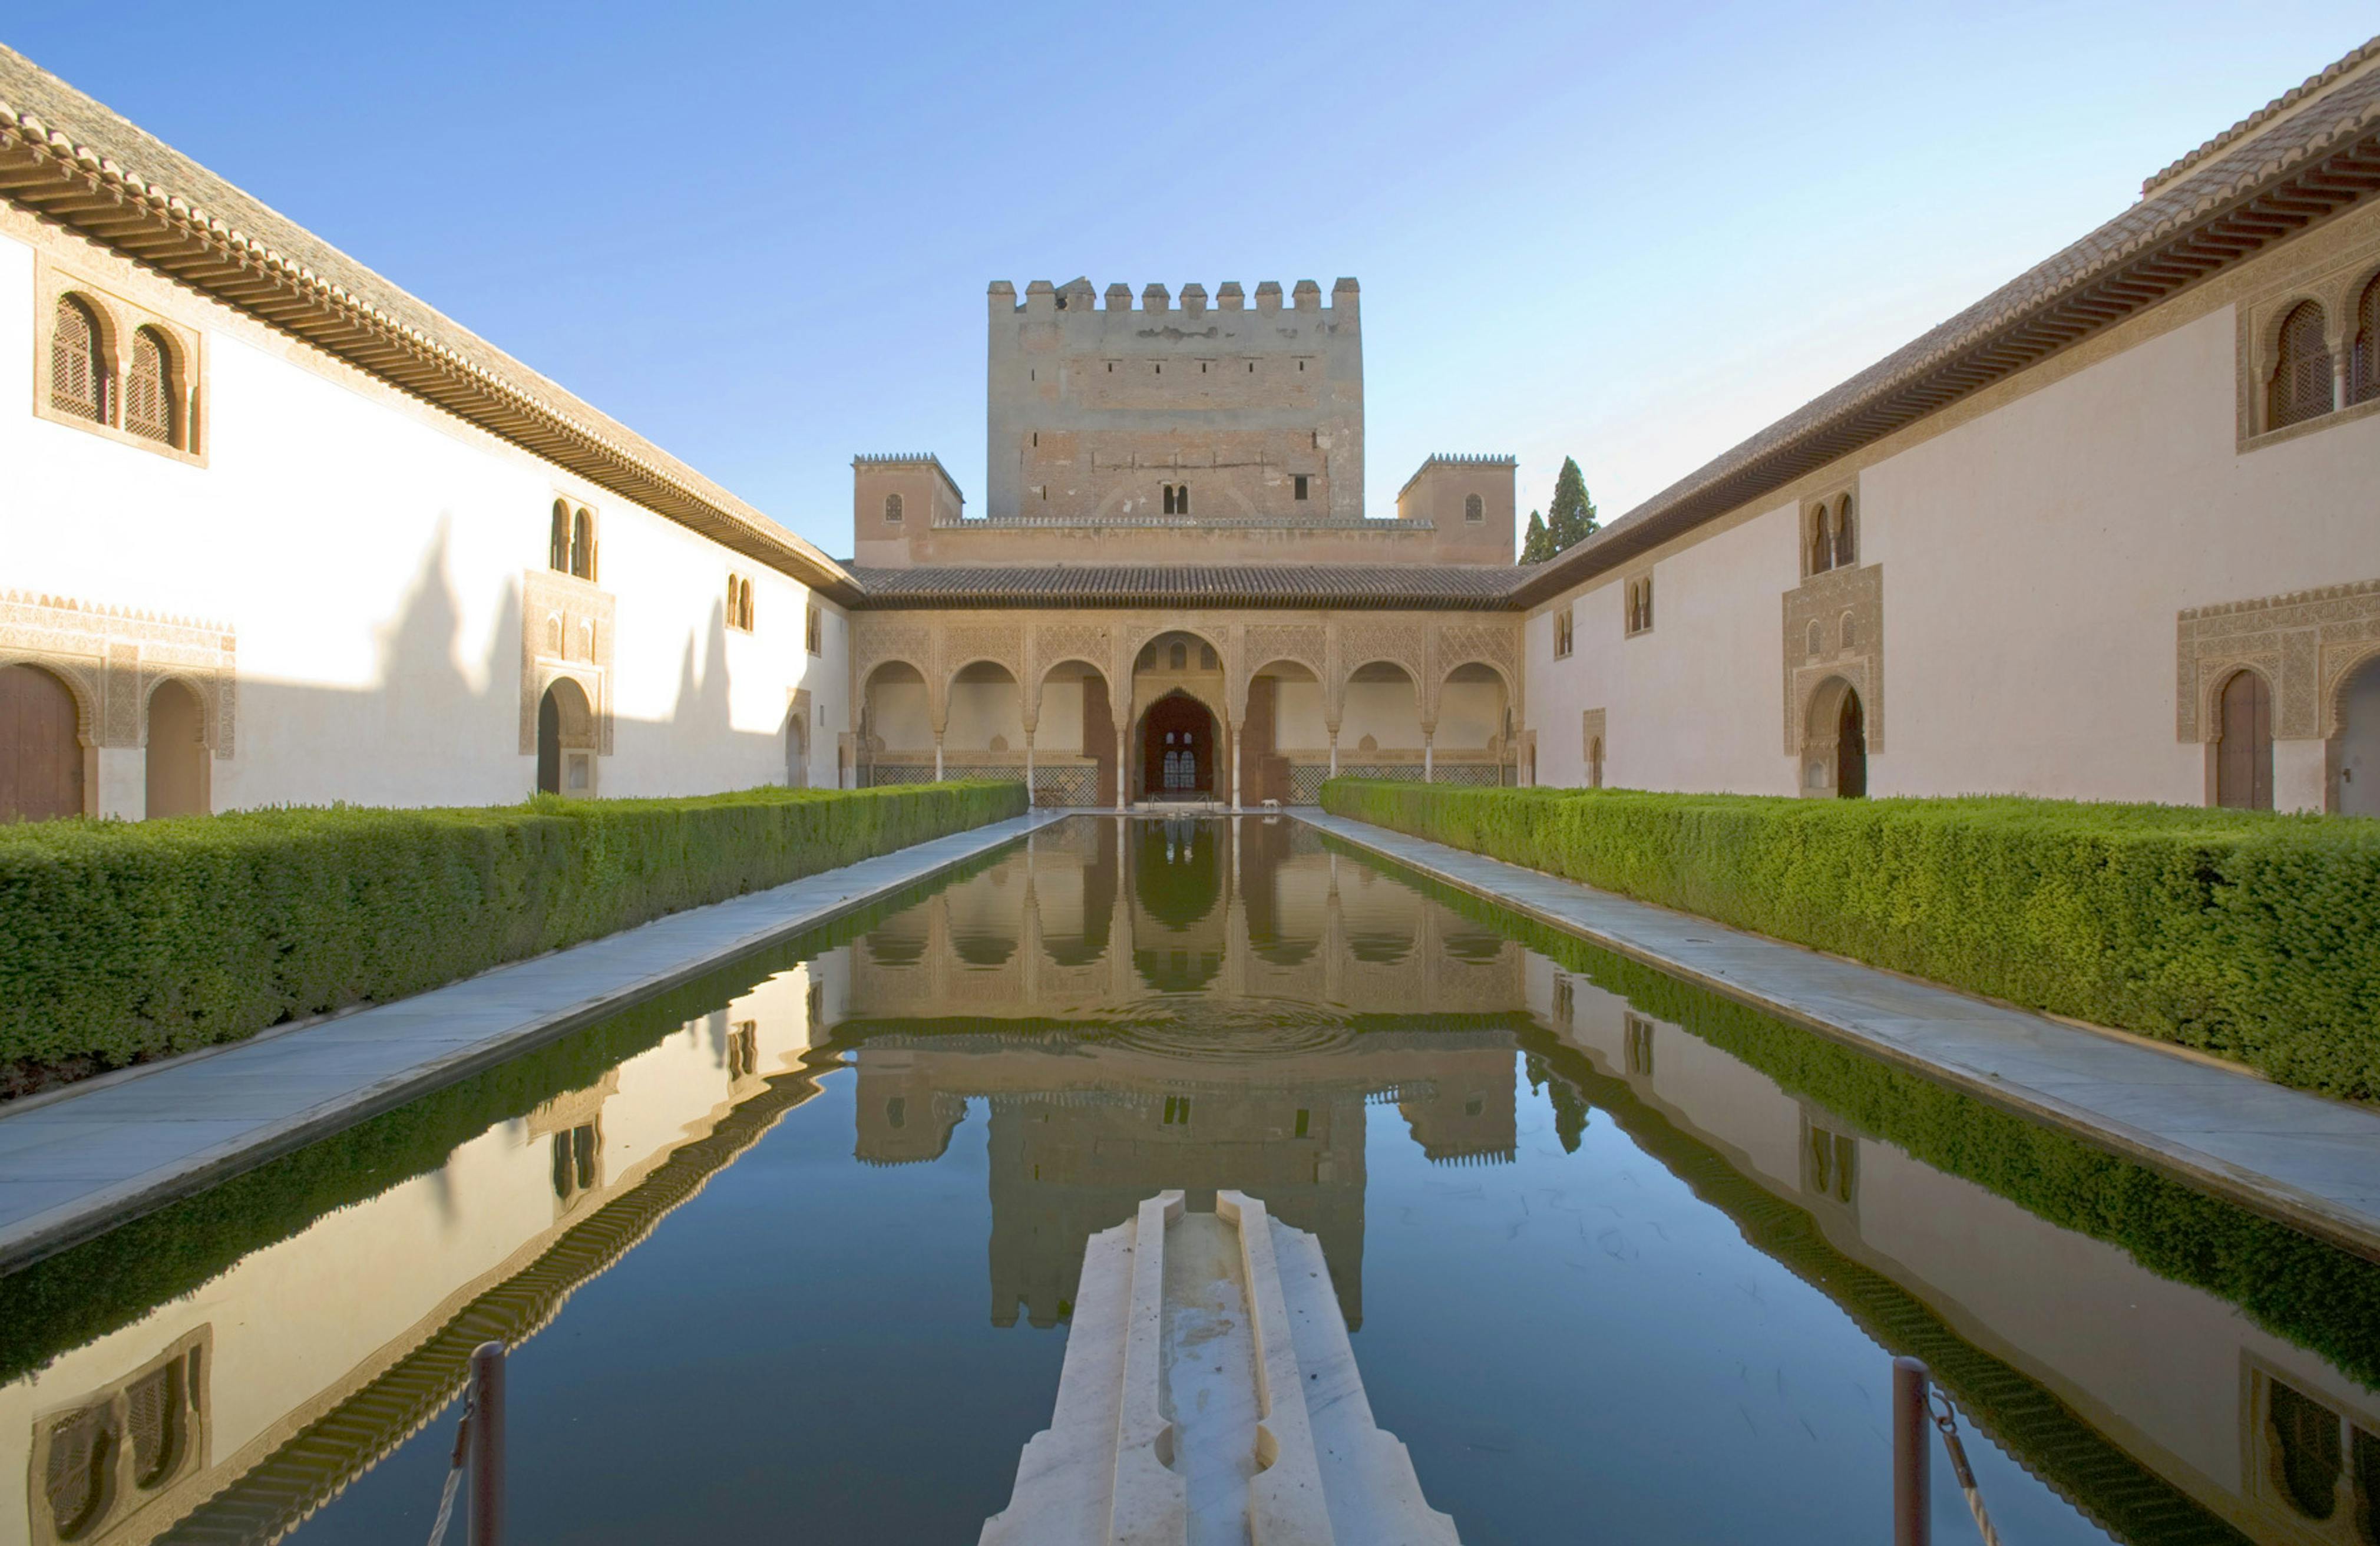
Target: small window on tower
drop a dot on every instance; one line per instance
(1474, 508)
(893, 509)
(1300, 484)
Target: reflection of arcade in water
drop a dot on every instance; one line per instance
(1218, 1009)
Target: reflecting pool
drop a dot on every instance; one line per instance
(789, 1252)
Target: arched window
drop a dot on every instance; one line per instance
(1179, 657)
(1849, 630)
(1474, 507)
(582, 544)
(557, 550)
(1595, 764)
(1822, 541)
(2363, 367)
(1846, 533)
(1816, 645)
(78, 362)
(748, 606)
(149, 388)
(892, 509)
(2300, 388)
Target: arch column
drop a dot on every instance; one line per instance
(1032, 715)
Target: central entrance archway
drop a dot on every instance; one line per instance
(1177, 749)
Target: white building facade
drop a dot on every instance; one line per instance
(2110, 534)
(276, 533)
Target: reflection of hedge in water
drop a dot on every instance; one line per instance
(2066, 1454)
(72, 1299)
(321, 1459)
(2297, 1287)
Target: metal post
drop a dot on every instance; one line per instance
(488, 1444)
(1912, 1486)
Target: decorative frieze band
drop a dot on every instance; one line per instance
(112, 659)
(2303, 642)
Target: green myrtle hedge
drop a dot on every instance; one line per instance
(2255, 937)
(125, 941)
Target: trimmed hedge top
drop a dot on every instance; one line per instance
(2252, 936)
(124, 940)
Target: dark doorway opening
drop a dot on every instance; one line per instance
(1177, 749)
(1851, 748)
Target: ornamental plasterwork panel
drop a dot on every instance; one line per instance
(1055, 642)
(1403, 643)
(1463, 643)
(875, 640)
(1002, 643)
(1307, 643)
(566, 628)
(2304, 642)
(1834, 627)
(112, 659)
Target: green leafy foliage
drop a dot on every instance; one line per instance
(1538, 545)
(1571, 518)
(2252, 936)
(121, 942)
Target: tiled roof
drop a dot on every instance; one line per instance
(75, 161)
(2277, 174)
(1468, 587)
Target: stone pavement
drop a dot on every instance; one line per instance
(77, 1164)
(2306, 1159)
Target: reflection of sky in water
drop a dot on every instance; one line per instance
(1608, 1281)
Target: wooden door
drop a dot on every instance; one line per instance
(41, 758)
(2243, 758)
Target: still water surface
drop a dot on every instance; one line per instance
(789, 1253)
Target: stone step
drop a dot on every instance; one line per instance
(1210, 1397)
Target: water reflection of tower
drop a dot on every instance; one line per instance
(1185, 1004)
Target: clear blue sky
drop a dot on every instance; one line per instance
(760, 235)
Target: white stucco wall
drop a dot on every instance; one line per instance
(2034, 559)
(369, 552)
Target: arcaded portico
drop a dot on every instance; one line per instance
(1235, 706)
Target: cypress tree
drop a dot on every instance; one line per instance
(1537, 546)
(1571, 518)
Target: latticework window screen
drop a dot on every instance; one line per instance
(77, 372)
(2301, 377)
(149, 389)
(2364, 368)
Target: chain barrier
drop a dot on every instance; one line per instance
(1946, 1418)
(453, 1471)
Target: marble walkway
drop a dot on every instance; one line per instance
(2312, 1162)
(78, 1161)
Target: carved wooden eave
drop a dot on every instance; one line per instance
(47, 172)
(2237, 196)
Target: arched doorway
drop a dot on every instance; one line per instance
(798, 746)
(177, 752)
(41, 755)
(566, 740)
(1851, 748)
(1177, 749)
(2355, 755)
(2243, 754)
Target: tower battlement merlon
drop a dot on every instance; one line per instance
(1042, 298)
